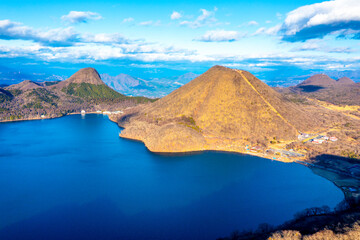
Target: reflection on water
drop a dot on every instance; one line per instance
(75, 177)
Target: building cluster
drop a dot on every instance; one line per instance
(316, 139)
(109, 113)
(255, 149)
(284, 153)
(320, 139)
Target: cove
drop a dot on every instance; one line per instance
(74, 178)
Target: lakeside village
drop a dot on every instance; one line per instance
(83, 112)
(279, 153)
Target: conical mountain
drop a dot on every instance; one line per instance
(87, 83)
(321, 80)
(345, 81)
(84, 75)
(223, 103)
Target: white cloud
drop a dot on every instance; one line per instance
(129, 19)
(206, 18)
(252, 23)
(150, 23)
(98, 52)
(103, 38)
(268, 31)
(59, 36)
(80, 17)
(320, 19)
(220, 36)
(175, 15)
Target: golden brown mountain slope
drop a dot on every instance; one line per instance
(221, 107)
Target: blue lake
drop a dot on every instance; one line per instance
(74, 178)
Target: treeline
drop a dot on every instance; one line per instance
(305, 223)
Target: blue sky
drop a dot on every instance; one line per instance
(273, 39)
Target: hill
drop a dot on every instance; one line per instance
(24, 86)
(222, 106)
(345, 81)
(317, 82)
(85, 75)
(86, 83)
(343, 91)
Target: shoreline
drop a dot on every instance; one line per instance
(331, 174)
(43, 118)
(305, 161)
(246, 152)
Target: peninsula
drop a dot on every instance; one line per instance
(231, 110)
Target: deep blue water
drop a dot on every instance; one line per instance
(74, 178)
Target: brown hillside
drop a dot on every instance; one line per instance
(344, 91)
(84, 75)
(321, 80)
(220, 104)
(24, 86)
(345, 81)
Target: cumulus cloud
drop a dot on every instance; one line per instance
(220, 36)
(175, 15)
(68, 45)
(268, 31)
(58, 37)
(80, 17)
(98, 52)
(106, 38)
(206, 18)
(337, 17)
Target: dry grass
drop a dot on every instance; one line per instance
(227, 105)
(352, 233)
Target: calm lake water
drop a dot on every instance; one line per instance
(74, 178)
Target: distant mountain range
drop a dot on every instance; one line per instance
(123, 83)
(156, 87)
